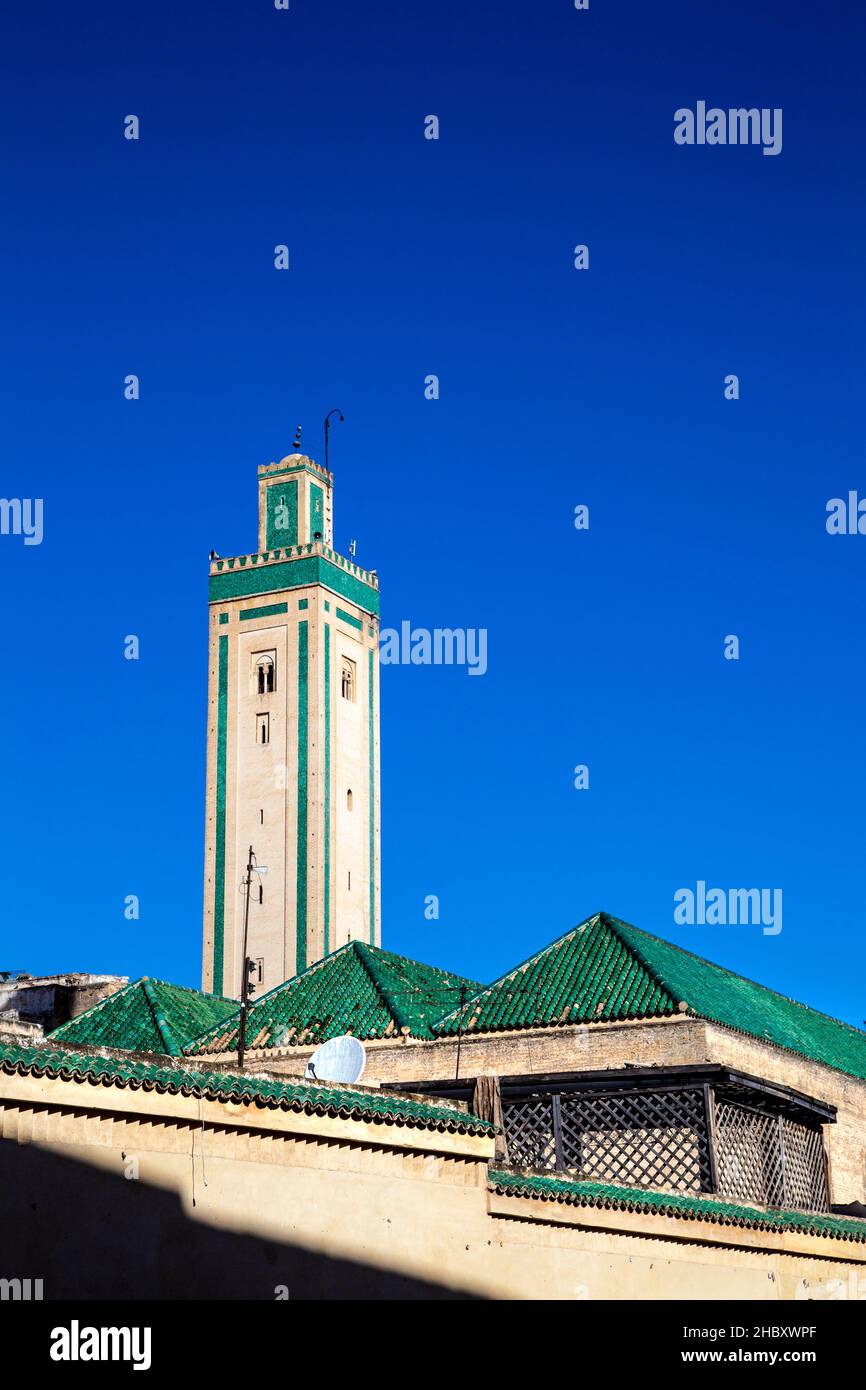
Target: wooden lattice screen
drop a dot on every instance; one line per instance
(662, 1138)
(769, 1158)
(638, 1138)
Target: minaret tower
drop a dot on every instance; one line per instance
(292, 740)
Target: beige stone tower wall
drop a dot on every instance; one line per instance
(293, 754)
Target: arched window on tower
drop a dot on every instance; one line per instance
(265, 675)
(348, 679)
(349, 799)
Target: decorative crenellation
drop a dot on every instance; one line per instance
(295, 552)
(291, 463)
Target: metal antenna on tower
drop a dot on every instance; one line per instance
(249, 965)
(460, 1029)
(341, 417)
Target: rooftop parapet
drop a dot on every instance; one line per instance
(292, 461)
(294, 552)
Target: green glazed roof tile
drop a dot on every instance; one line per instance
(575, 1192)
(146, 1016)
(606, 970)
(358, 989)
(258, 1090)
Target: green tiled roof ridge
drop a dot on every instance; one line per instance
(667, 1004)
(515, 969)
(616, 922)
(611, 924)
(260, 1090)
(156, 996)
(702, 1207)
(172, 1046)
(410, 980)
(216, 1028)
(395, 1008)
(373, 961)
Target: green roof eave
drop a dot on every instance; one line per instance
(574, 1192)
(66, 1065)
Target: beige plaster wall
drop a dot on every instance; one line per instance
(137, 1194)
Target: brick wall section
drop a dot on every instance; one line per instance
(582, 1047)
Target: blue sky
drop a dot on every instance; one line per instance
(558, 387)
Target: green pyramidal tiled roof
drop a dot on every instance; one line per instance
(586, 976)
(358, 989)
(605, 970)
(339, 1101)
(719, 995)
(146, 1016)
(575, 1192)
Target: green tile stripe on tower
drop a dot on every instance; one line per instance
(327, 886)
(317, 511)
(372, 806)
(270, 610)
(347, 618)
(219, 874)
(303, 721)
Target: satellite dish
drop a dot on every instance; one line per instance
(339, 1059)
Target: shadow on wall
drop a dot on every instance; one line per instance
(91, 1234)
